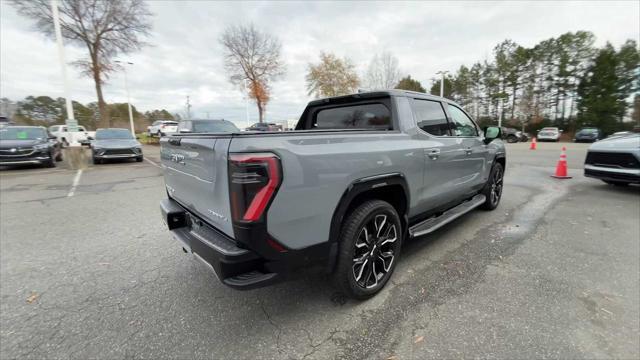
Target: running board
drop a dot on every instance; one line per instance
(434, 223)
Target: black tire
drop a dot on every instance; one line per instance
(97, 161)
(51, 162)
(493, 188)
(139, 159)
(357, 243)
(616, 183)
(512, 139)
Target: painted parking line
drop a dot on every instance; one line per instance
(76, 181)
(153, 163)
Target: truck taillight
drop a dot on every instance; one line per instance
(253, 180)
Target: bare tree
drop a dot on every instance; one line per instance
(383, 72)
(106, 28)
(253, 56)
(331, 77)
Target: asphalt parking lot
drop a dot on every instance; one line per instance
(91, 272)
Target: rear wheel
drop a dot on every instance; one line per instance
(370, 244)
(512, 139)
(493, 188)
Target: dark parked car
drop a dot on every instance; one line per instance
(28, 145)
(207, 126)
(512, 135)
(588, 135)
(264, 127)
(115, 143)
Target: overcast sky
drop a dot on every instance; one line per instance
(185, 57)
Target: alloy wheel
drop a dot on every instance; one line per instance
(496, 186)
(374, 251)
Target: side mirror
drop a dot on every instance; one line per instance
(491, 133)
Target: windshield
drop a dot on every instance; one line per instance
(550, 129)
(105, 134)
(214, 126)
(22, 133)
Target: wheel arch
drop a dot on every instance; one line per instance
(391, 187)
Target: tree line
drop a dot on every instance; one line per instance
(47, 111)
(563, 81)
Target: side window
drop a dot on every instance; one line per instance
(461, 125)
(64, 129)
(431, 117)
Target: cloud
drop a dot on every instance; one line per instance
(185, 58)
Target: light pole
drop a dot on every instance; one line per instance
(443, 72)
(70, 121)
(126, 86)
(246, 100)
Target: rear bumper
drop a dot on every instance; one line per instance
(234, 266)
(612, 174)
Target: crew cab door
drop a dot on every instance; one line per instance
(471, 159)
(440, 153)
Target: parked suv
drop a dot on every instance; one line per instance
(549, 134)
(588, 135)
(206, 126)
(512, 135)
(360, 174)
(161, 128)
(28, 145)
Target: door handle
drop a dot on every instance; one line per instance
(468, 151)
(433, 154)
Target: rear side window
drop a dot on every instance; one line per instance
(431, 117)
(361, 116)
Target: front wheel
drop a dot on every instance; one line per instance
(370, 244)
(139, 159)
(493, 188)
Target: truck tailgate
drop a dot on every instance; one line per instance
(196, 177)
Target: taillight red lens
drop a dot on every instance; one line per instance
(253, 180)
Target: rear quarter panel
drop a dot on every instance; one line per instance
(318, 168)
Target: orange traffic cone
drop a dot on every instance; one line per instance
(534, 144)
(561, 168)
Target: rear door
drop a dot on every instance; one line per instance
(441, 150)
(196, 177)
(471, 159)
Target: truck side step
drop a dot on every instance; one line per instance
(250, 280)
(434, 223)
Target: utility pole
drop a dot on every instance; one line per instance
(188, 109)
(126, 86)
(70, 121)
(442, 72)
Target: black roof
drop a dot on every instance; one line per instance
(379, 93)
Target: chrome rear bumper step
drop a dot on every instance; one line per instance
(434, 223)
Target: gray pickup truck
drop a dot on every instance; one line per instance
(359, 175)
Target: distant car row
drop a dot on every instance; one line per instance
(161, 128)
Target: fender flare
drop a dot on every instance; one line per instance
(354, 189)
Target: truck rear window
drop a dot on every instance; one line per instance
(358, 116)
